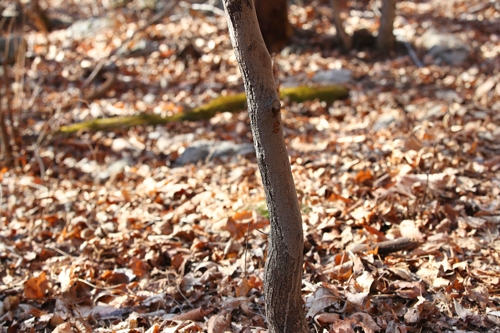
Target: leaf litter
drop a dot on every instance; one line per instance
(398, 185)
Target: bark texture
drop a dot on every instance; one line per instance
(283, 273)
(385, 38)
(274, 25)
(342, 35)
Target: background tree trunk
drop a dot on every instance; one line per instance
(283, 273)
(385, 38)
(274, 25)
(342, 35)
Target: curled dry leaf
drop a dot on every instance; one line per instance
(154, 329)
(195, 315)
(36, 287)
(365, 281)
(410, 290)
(10, 303)
(63, 328)
(359, 300)
(236, 229)
(369, 325)
(344, 326)
(218, 323)
(326, 318)
(242, 288)
(323, 298)
(364, 176)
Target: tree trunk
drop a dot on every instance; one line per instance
(385, 38)
(283, 272)
(274, 25)
(342, 35)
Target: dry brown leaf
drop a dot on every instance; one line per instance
(154, 329)
(139, 267)
(218, 323)
(36, 287)
(323, 298)
(485, 87)
(242, 288)
(412, 143)
(372, 230)
(408, 228)
(344, 326)
(481, 295)
(231, 303)
(243, 216)
(369, 325)
(237, 230)
(326, 318)
(365, 281)
(63, 328)
(363, 176)
(195, 314)
(255, 282)
(10, 303)
(336, 197)
(410, 290)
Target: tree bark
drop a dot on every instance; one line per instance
(283, 272)
(385, 38)
(342, 35)
(273, 22)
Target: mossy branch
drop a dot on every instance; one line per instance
(232, 103)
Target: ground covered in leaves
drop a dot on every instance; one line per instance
(105, 232)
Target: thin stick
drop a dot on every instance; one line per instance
(413, 55)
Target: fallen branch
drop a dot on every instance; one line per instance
(233, 103)
(413, 55)
(390, 246)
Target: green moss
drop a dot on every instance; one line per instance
(232, 103)
(262, 210)
(327, 94)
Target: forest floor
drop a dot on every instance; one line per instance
(104, 232)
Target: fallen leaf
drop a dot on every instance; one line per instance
(408, 228)
(367, 322)
(326, 318)
(242, 288)
(36, 287)
(219, 323)
(63, 328)
(323, 298)
(194, 315)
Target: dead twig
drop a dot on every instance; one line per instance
(413, 55)
(390, 246)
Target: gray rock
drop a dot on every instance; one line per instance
(147, 4)
(203, 150)
(333, 76)
(140, 49)
(383, 121)
(87, 28)
(432, 111)
(446, 48)
(449, 96)
(114, 169)
(166, 144)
